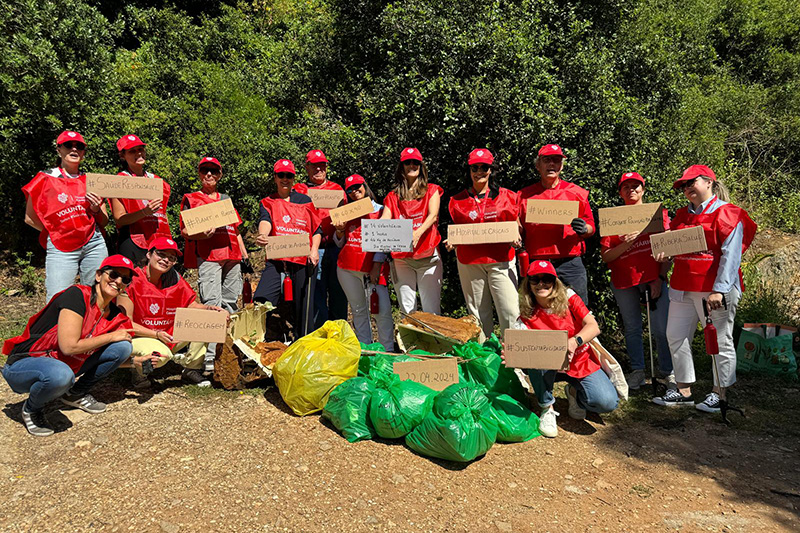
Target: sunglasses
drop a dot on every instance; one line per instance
(410, 162)
(213, 170)
(113, 274)
(168, 257)
(547, 280)
(285, 176)
(74, 144)
(689, 183)
(479, 168)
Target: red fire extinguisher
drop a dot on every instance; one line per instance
(374, 302)
(524, 263)
(288, 293)
(710, 333)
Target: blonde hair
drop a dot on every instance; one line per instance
(419, 188)
(558, 299)
(720, 190)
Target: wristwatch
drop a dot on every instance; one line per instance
(579, 340)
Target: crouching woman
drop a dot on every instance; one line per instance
(80, 332)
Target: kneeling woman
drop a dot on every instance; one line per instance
(80, 332)
(545, 303)
(151, 301)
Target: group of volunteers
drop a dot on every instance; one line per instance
(124, 305)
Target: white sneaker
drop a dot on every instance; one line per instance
(710, 404)
(575, 411)
(547, 422)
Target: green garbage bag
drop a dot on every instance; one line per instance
(398, 406)
(383, 365)
(366, 360)
(459, 428)
(515, 422)
(348, 409)
(485, 367)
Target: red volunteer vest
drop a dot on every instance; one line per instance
(543, 241)
(466, 208)
(60, 203)
(351, 257)
(323, 214)
(222, 246)
(154, 308)
(636, 265)
(582, 364)
(93, 325)
(291, 219)
(697, 272)
(417, 211)
(156, 225)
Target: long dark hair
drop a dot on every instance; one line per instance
(368, 191)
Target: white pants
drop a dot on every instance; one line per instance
(426, 273)
(357, 290)
(482, 283)
(685, 311)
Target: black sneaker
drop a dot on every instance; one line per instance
(85, 402)
(36, 423)
(710, 404)
(191, 376)
(673, 398)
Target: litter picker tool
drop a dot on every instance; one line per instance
(310, 268)
(712, 349)
(653, 382)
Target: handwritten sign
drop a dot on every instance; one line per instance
(645, 218)
(131, 187)
(679, 242)
(392, 235)
(362, 207)
(279, 246)
(551, 211)
(437, 374)
(199, 325)
(534, 348)
(483, 233)
(209, 216)
(325, 198)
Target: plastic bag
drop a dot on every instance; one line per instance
(348, 409)
(398, 406)
(485, 367)
(459, 428)
(366, 360)
(515, 422)
(314, 365)
(383, 365)
(767, 348)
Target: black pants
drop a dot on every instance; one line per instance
(269, 290)
(127, 248)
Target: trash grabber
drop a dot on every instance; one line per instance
(653, 382)
(712, 349)
(310, 268)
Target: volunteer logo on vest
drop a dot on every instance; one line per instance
(473, 214)
(63, 197)
(154, 308)
(286, 218)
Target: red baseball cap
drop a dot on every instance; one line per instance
(316, 156)
(551, 149)
(630, 176)
(120, 261)
(480, 155)
(127, 142)
(354, 180)
(67, 136)
(410, 153)
(284, 165)
(209, 161)
(693, 172)
(165, 243)
(541, 267)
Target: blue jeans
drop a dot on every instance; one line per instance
(46, 379)
(571, 271)
(595, 392)
(62, 267)
(631, 311)
(330, 301)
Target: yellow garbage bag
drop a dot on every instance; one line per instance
(314, 365)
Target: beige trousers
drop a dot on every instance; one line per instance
(189, 358)
(482, 283)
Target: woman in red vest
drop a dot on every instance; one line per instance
(546, 303)
(80, 332)
(288, 212)
(362, 275)
(138, 221)
(69, 219)
(487, 271)
(416, 199)
(634, 270)
(713, 275)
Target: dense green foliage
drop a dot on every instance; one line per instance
(651, 85)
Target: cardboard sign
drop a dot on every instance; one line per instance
(279, 246)
(679, 242)
(551, 211)
(631, 219)
(391, 235)
(437, 374)
(362, 207)
(209, 216)
(483, 233)
(130, 187)
(199, 325)
(325, 198)
(535, 348)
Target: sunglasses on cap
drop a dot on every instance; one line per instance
(74, 144)
(546, 279)
(113, 274)
(206, 170)
(479, 168)
(285, 176)
(408, 162)
(164, 255)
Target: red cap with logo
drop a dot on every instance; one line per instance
(316, 156)
(352, 181)
(126, 142)
(165, 243)
(480, 155)
(410, 153)
(693, 172)
(630, 176)
(209, 161)
(541, 267)
(119, 261)
(551, 149)
(284, 165)
(67, 136)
